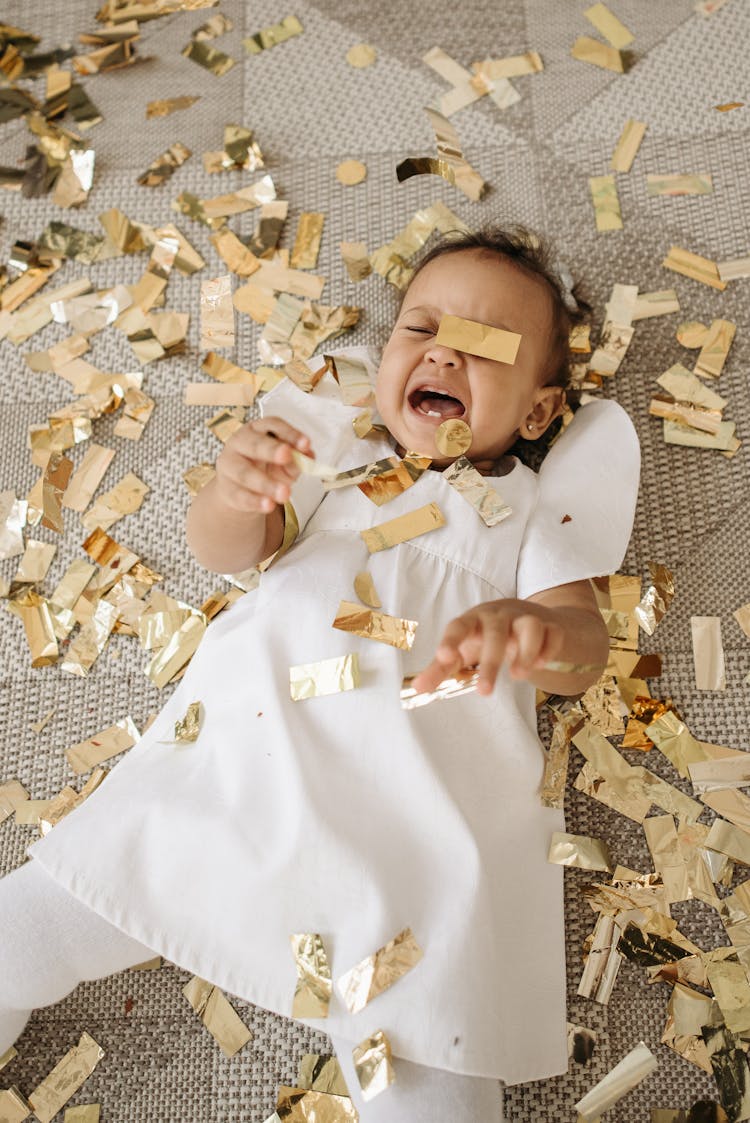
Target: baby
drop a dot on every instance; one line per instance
(346, 814)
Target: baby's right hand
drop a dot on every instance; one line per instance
(255, 469)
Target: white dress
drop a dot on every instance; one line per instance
(348, 815)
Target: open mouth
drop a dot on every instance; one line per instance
(433, 403)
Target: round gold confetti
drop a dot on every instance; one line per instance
(361, 55)
(351, 172)
(692, 334)
(453, 437)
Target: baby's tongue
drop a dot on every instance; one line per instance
(446, 407)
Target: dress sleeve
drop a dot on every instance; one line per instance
(586, 498)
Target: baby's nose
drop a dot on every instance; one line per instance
(444, 356)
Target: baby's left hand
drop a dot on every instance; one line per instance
(524, 635)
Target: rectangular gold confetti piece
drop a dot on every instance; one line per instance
(217, 313)
(225, 394)
(370, 624)
(271, 36)
(631, 1070)
(66, 1078)
(7, 1057)
(12, 793)
(580, 851)
(218, 1015)
(514, 66)
(35, 562)
(463, 682)
(606, 203)
(404, 528)
(102, 746)
(679, 184)
(478, 339)
(180, 649)
(735, 269)
(356, 260)
(328, 676)
(91, 640)
(586, 49)
(87, 477)
(321, 1073)
(165, 165)
(125, 498)
(13, 1107)
(208, 57)
(729, 840)
(608, 25)
(722, 772)
(715, 349)
(379, 971)
(627, 146)
(312, 994)
(694, 266)
(168, 105)
(372, 1064)
(731, 805)
(307, 240)
(661, 303)
(84, 1113)
(472, 486)
(708, 653)
(300, 1105)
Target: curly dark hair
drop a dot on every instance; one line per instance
(535, 256)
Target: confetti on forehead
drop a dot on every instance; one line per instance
(478, 339)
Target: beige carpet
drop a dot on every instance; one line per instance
(311, 110)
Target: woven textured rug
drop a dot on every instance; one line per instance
(310, 111)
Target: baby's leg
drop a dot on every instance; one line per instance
(50, 942)
(424, 1095)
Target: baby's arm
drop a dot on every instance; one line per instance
(560, 625)
(237, 520)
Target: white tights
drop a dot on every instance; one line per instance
(42, 961)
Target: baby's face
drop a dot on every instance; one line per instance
(421, 383)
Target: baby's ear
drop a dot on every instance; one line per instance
(549, 403)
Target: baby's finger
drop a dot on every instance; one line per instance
(256, 481)
(492, 653)
(431, 676)
(455, 636)
(529, 634)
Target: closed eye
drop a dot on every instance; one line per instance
(422, 331)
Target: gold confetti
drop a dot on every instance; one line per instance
(218, 1015)
(608, 25)
(611, 349)
(175, 654)
(87, 477)
(12, 522)
(679, 184)
(187, 728)
(65, 1079)
(165, 106)
(307, 240)
(388, 478)
(271, 36)
(580, 851)
(329, 676)
(361, 55)
(372, 1064)
(735, 269)
(217, 313)
(450, 163)
(463, 682)
(102, 746)
(208, 57)
(402, 529)
(661, 303)
(312, 994)
(715, 348)
(379, 971)
(364, 587)
(14, 1108)
(356, 260)
(91, 640)
(300, 1105)
(76, 178)
(7, 1057)
(35, 616)
(321, 1073)
(370, 624)
(727, 106)
(694, 266)
(627, 146)
(708, 653)
(214, 27)
(351, 172)
(731, 1069)
(514, 66)
(353, 377)
(639, 1063)
(35, 562)
(478, 339)
(125, 498)
(12, 794)
(656, 600)
(165, 165)
(85, 1113)
(586, 49)
(472, 486)
(453, 437)
(137, 410)
(606, 203)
